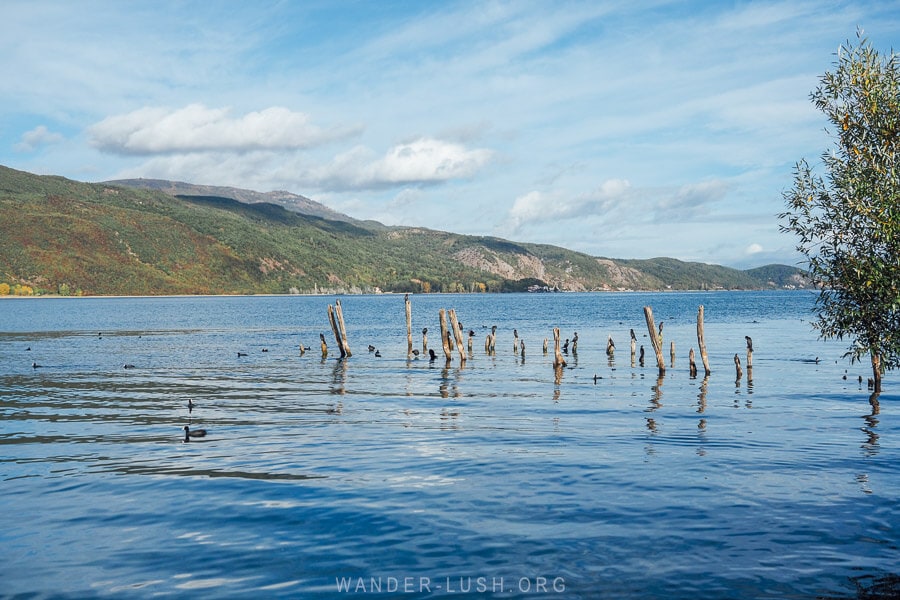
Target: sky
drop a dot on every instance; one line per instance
(619, 128)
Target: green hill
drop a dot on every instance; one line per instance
(63, 236)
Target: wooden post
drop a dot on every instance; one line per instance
(471, 338)
(546, 345)
(409, 342)
(701, 342)
(324, 345)
(424, 340)
(749, 352)
(522, 346)
(515, 341)
(457, 334)
(737, 366)
(445, 339)
(558, 360)
(672, 354)
(633, 346)
(340, 317)
(302, 349)
(575, 343)
(654, 339)
(693, 363)
(610, 346)
(335, 329)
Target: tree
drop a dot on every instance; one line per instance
(848, 223)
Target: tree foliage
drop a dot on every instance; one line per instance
(848, 223)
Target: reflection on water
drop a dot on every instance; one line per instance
(618, 479)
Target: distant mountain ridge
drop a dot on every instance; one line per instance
(160, 237)
(288, 200)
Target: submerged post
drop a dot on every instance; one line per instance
(701, 342)
(737, 366)
(558, 360)
(655, 339)
(335, 329)
(445, 339)
(324, 345)
(340, 318)
(749, 352)
(633, 346)
(409, 342)
(457, 334)
(672, 354)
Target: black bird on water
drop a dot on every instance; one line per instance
(34, 365)
(431, 354)
(191, 405)
(197, 433)
(240, 354)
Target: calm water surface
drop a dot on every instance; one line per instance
(410, 478)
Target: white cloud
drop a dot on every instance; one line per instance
(690, 200)
(753, 249)
(543, 207)
(196, 128)
(422, 161)
(37, 137)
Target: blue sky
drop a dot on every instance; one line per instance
(625, 129)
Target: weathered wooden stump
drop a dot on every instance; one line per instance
(701, 342)
(655, 339)
(558, 360)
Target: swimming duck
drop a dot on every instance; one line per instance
(188, 434)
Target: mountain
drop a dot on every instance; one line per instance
(294, 202)
(63, 236)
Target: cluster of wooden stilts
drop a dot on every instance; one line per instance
(454, 343)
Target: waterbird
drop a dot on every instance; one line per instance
(191, 405)
(371, 348)
(415, 353)
(240, 354)
(28, 349)
(378, 353)
(188, 434)
(34, 365)
(431, 354)
(127, 366)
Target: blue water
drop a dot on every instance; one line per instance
(399, 477)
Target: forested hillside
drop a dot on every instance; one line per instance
(65, 237)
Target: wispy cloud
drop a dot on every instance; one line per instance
(196, 128)
(37, 137)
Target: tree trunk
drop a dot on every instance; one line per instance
(876, 371)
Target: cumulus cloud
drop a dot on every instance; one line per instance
(197, 128)
(536, 206)
(421, 161)
(753, 249)
(37, 137)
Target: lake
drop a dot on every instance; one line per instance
(388, 476)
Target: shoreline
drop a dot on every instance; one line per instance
(120, 296)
